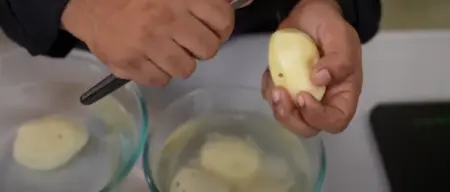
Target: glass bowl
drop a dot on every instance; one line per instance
(235, 111)
(35, 87)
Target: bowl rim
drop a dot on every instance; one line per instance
(143, 134)
(138, 96)
(319, 181)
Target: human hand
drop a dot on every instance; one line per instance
(150, 41)
(339, 68)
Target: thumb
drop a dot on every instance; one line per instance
(267, 85)
(331, 68)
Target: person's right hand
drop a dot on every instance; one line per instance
(150, 41)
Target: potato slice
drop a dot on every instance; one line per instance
(194, 180)
(232, 158)
(48, 143)
(292, 56)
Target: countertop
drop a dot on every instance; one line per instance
(398, 66)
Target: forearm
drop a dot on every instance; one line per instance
(35, 25)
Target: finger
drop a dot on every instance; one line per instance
(286, 112)
(125, 69)
(121, 73)
(338, 43)
(266, 84)
(332, 67)
(151, 75)
(197, 38)
(170, 57)
(283, 108)
(336, 64)
(218, 15)
(333, 115)
(341, 50)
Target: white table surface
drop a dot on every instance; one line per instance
(398, 66)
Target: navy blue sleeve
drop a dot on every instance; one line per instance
(35, 25)
(364, 15)
(266, 15)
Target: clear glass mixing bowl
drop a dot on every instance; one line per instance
(34, 87)
(162, 158)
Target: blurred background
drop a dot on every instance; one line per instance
(416, 14)
(410, 14)
(408, 62)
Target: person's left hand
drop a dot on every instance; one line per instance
(339, 68)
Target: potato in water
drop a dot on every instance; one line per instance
(231, 158)
(48, 143)
(195, 180)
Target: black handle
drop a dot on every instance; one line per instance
(103, 88)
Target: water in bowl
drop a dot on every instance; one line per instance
(182, 146)
(92, 168)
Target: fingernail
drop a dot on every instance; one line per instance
(276, 96)
(300, 101)
(323, 77)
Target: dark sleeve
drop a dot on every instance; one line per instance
(266, 15)
(364, 15)
(35, 25)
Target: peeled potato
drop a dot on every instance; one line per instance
(292, 56)
(194, 180)
(48, 143)
(231, 158)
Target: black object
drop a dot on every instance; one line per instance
(414, 142)
(103, 88)
(36, 25)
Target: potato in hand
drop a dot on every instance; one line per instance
(292, 56)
